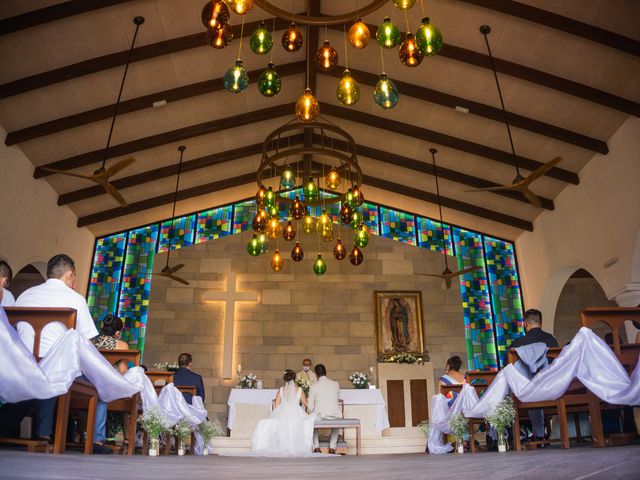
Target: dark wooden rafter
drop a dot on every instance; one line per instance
(427, 168)
(170, 170)
(136, 104)
(444, 140)
(248, 178)
(482, 110)
(52, 13)
(198, 39)
(112, 60)
(168, 137)
(538, 77)
(562, 23)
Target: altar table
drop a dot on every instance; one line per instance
(252, 405)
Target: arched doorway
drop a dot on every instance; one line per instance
(580, 291)
(27, 277)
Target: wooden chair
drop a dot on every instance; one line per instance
(38, 318)
(155, 375)
(123, 405)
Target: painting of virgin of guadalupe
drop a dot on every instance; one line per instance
(399, 322)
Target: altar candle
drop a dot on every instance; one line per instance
(239, 367)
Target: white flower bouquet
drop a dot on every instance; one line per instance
(166, 366)
(359, 380)
(424, 427)
(154, 422)
(304, 384)
(209, 429)
(458, 426)
(404, 358)
(248, 381)
(500, 418)
(182, 430)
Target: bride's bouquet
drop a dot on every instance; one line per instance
(304, 384)
(359, 380)
(248, 381)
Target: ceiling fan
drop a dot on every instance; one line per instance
(447, 275)
(520, 184)
(102, 175)
(167, 271)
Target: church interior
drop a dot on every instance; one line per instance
(208, 177)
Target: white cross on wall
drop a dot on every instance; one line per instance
(230, 297)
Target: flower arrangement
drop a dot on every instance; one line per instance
(458, 426)
(424, 427)
(359, 380)
(209, 429)
(404, 358)
(501, 417)
(248, 381)
(182, 430)
(166, 366)
(304, 384)
(155, 423)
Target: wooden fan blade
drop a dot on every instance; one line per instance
(436, 275)
(177, 279)
(531, 197)
(175, 268)
(70, 174)
(465, 270)
(118, 166)
(542, 170)
(111, 190)
(494, 189)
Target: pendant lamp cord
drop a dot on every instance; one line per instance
(433, 152)
(181, 148)
(382, 59)
(504, 111)
(241, 35)
(346, 55)
(124, 77)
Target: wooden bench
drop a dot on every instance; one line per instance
(342, 423)
(163, 377)
(38, 318)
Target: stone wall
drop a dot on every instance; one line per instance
(578, 294)
(330, 318)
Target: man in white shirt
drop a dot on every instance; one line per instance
(58, 291)
(324, 402)
(306, 373)
(6, 297)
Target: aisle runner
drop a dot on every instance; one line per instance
(72, 356)
(587, 358)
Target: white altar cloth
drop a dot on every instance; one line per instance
(348, 396)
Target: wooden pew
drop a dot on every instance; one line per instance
(162, 375)
(38, 318)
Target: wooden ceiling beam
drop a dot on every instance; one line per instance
(158, 173)
(198, 39)
(136, 104)
(561, 23)
(427, 168)
(482, 110)
(113, 60)
(250, 178)
(52, 13)
(444, 140)
(164, 138)
(532, 75)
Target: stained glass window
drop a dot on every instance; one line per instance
(106, 273)
(136, 283)
(505, 293)
(430, 234)
(398, 225)
(476, 305)
(370, 217)
(183, 231)
(214, 223)
(243, 214)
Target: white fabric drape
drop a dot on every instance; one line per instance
(587, 358)
(71, 356)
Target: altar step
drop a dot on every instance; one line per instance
(370, 446)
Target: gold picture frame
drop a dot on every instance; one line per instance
(398, 323)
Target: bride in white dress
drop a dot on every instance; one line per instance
(289, 430)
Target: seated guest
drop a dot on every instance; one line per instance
(185, 377)
(452, 377)
(535, 334)
(58, 291)
(122, 366)
(6, 297)
(109, 338)
(306, 373)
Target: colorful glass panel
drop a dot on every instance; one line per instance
(243, 214)
(182, 233)
(106, 272)
(370, 217)
(214, 223)
(398, 225)
(430, 234)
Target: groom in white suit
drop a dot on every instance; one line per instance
(324, 402)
